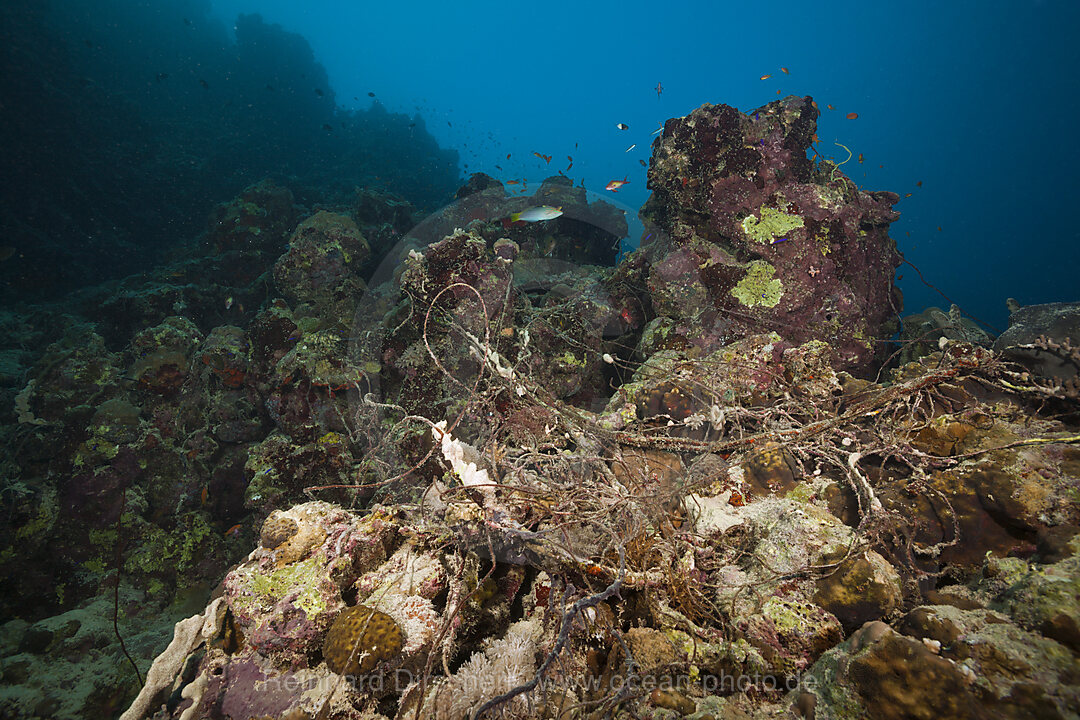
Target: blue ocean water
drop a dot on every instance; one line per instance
(968, 105)
(129, 120)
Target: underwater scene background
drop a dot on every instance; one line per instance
(373, 360)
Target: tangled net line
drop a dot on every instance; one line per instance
(567, 479)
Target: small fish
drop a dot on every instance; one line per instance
(643, 163)
(766, 76)
(918, 184)
(614, 185)
(622, 126)
(907, 195)
(228, 302)
(852, 116)
(537, 214)
(939, 228)
(319, 92)
(860, 158)
(630, 148)
(204, 495)
(545, 158)
(829, 106)
(507, 156)
(785, 71)
(512, 182)
(234, 531)
(659, 89)
(371, 94)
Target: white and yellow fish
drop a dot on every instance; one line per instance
(537, 214)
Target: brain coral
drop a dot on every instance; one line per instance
(374, 636)
(277, 529)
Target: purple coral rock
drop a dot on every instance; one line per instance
(726, 187)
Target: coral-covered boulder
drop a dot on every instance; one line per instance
(1046, 338)
(255, 220)
(322, 264)
(161, 355)
(225, 354)
(945, 662)
(751, 234)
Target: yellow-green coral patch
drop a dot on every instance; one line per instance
(773, 224)
(759, 287)
(305, 578)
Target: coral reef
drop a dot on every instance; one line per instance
(750, 235)
(492, 482)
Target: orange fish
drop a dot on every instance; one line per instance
(234, 530)
(545, 158)
(860, 158)
(766, 77)
(512, 182)
(507, 156)
(918, 184)
(907, 195)
(852, 116)
(204, 495)
(614, 185)
(939, 228)
(659, 89)
(785, 71)
(830, 107)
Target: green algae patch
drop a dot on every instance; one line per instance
(305, 578)
(759, 287)
(789, 616)
(773, 224)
